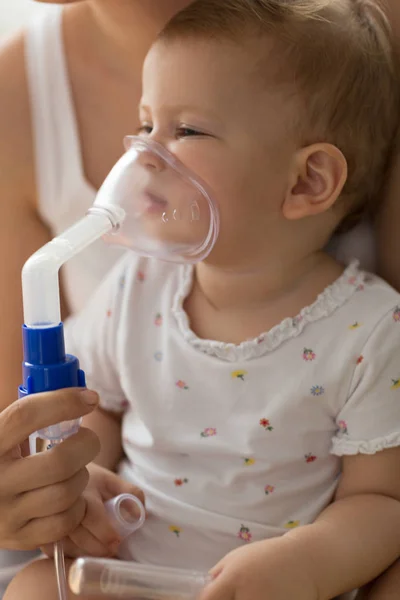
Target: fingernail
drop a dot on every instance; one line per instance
(89, 397)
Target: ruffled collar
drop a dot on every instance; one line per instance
(332, 298)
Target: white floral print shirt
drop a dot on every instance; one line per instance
(233, 444)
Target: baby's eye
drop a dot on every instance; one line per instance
(183, 132)
(145, 129)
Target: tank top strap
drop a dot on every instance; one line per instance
(55, 133)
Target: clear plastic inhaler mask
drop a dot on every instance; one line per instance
(150, 202)
(168, 213)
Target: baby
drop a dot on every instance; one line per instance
(256, 395)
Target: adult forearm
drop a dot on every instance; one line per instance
(353, 541)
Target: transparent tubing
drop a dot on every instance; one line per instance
(61, 576)
(59, 562)
(97, 577)
(40, 286)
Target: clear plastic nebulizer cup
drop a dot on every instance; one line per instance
(121, 579)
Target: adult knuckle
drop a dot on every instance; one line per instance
(18, 538)
(82, 479)
(67, 492)
(12, 516)
(65, 523)
(61, 497)
(15, 417)
(60, 464)
(5, 527)
(15, 520)
(8, 480)
(23, 543)
(91, 443)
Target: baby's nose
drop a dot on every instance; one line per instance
(151, 161)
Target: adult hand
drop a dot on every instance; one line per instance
(41, 496)
(96, 536)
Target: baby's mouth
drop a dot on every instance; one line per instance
(154, 203)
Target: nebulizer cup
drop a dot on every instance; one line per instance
(121, 579)
(151, 203)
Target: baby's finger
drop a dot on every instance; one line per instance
(83, 540)
(114, 486)
(98, 523)
(220, 588)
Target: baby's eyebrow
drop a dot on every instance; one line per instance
(174, 109)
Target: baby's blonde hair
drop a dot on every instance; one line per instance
(339, 56)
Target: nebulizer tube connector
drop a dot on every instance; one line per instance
(40, 287)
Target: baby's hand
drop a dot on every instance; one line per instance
(95, 536)
(269, 570)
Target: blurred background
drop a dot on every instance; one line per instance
(16, 13)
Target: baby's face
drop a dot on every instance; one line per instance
(205, 103)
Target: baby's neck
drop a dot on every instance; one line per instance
(233, 307)
(246, 291)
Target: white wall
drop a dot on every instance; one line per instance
(16, 13)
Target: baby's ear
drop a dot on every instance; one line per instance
(318, 175)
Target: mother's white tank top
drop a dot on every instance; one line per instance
(63, 193)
